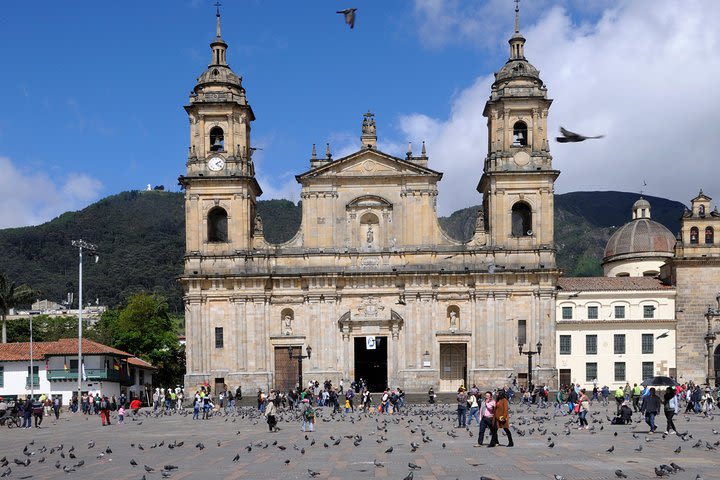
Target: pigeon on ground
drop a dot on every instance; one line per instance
(349, 16)
(611, 449)
(313, 473)
(620, 474)
(414, 466)
(572, 137)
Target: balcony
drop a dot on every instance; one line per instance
(35, 382)
(97, 374)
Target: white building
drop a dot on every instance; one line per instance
(108, 371)
(620, 328)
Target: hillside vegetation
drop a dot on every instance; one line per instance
(140, 237)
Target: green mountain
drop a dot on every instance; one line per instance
(140, 237)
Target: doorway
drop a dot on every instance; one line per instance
(565, 378)
(453, 366)
(286, 368)
(717, 365)
(371, 364)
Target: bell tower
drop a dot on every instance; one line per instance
(518, 179)
(220, 185)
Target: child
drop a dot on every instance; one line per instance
(121, 415)
(347, 405)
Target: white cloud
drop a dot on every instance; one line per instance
(34, 198)
(643, 76)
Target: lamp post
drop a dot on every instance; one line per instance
(530, 354)
(710, 337)
(32, 377)
(92, 249)
(300, 358)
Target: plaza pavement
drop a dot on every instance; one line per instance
(581, 454)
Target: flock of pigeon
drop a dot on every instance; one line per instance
(422, 428)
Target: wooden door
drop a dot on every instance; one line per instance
(453, 366)
(286, 369)
(565, 377)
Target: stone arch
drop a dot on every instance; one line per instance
(694, 236)
(522, 219)
(520, 134)
(709, 235)
(217, 139)
(369, 226)
(217, 225)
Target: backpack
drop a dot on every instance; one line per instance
(309, 413)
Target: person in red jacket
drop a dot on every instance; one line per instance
(105, 411)
(135, 406)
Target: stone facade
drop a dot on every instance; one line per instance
(370, 281)
(695, 271)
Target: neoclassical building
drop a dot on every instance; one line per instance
(370, 281)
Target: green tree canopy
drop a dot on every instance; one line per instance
(11, 295)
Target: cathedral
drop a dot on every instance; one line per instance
(370, 286)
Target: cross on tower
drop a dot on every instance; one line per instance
(218, 5)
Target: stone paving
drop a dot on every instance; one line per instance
(449, 452)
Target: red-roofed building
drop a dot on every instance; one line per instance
(107, 370)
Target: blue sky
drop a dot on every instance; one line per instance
(93, 91)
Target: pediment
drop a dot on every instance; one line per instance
(368, 163)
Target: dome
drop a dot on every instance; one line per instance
(641, 237)
(641, 203)
(517, 68)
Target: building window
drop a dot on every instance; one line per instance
(217, 140)
(648, 311)
(590, 371)
(619, 344)
(520, 135)
(73, 365)
(141, 374)
(218, 337)
(217, 224)
(619, 311)
(619, 371)
(592, 313)
(522, 332)
(694, 236)
(648, 343)
(648, 370)
(565, 345)
(567, 313)
(590, 344)
(709, 236)
(521, 220)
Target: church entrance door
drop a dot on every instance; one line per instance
(565, 377)
(717, 366)
(286, 369)
(371, 364)
(453, 366)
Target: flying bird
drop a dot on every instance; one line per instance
(349, 16)
(572, 137)
(663, 335)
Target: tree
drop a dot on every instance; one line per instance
(145, 328)
(11, 295)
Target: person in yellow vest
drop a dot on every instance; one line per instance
(636, 394)
(619, 398)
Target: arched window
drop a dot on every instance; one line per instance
(694, 236)
(520, 136)
(217, 140)
(701, 210)
(521, 220)
(217, 224)
(709, 236)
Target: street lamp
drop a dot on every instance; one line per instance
(32, 378)
(300, 358)
(710, 337)
(92, 249)
(530, 354)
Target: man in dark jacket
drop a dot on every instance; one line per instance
(651, 405)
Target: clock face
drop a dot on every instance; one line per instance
(216, 164)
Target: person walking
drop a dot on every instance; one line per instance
(474, 408)
(121, 415)
(26, 411)
(501, 419)
(487, 413)
(38, 411)
(349, 395)
(462, 400)
(104, 407)
(196, 406)
(672, 407)
(619, 398)
(56, 407)
(636, 394)
(651, 405)
(583, 410)
(270, 412)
